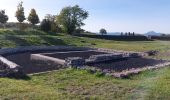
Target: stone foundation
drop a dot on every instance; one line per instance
(104, 57)
(9, 51)
(74, 61)
(9, 69)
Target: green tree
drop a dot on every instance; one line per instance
(3, 17)
(33, 17)
(20, 13)
(45, 25)
(103, 31)
(52, 19)
(71, 18)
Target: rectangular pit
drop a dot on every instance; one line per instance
(35, 63)
(33, 66)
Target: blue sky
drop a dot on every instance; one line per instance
(114, 15)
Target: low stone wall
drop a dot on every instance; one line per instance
(9, 69)
(79, 61)
(104, 57)
(125, 53)
(126, 74)
(39, 57)
(8, 51)
(74, 61)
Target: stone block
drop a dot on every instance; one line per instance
(104, 57)
(135, 55)
(74, 61)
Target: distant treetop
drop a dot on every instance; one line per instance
(103, 31)
(3, 17)
(20, 13)
(33, 17)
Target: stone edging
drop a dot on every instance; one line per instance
(125, 74)
(8, 51)
(9, 68)
(121, 51)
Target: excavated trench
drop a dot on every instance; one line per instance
(47, 61)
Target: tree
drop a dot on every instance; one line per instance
(20, 13)
(71, 18)
(103, 31)
(45, 25)
(53, 22)
(33, 17)
(51, 18)
(3, 17)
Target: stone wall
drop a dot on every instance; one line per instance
(9, 51)
(104, 57)
(125, 53)
(47, 59)
(9, 69)
(74, 61)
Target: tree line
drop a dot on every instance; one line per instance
(69, 20)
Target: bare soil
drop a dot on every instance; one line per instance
(84, 54)
(31, 66)
(127, 64)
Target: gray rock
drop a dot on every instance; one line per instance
(134, 55)
(9, 69)
(74, 61)
(104, 57)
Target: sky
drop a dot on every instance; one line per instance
(138, 16)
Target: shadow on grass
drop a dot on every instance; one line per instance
(30, 32)
(52, 40)
(23, 77)
(17, 40)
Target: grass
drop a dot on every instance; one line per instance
(79, 84)
(10, 38)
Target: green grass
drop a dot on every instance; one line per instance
(79, 84)
(10, 38)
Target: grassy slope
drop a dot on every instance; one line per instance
(77, 84)
(15, 38)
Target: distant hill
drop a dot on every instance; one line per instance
(153, 33)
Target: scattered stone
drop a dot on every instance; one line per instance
(104, 57)
(9, 69)
(152, 52)
(74, 61)
(134, 55)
